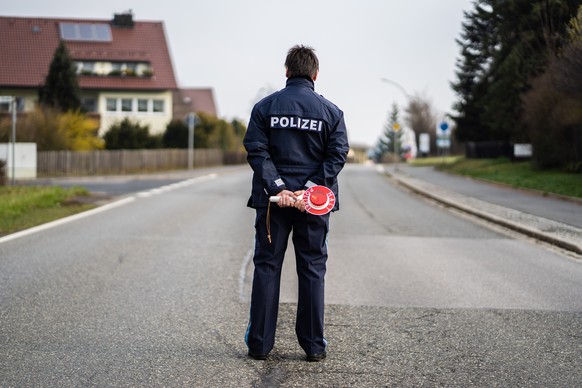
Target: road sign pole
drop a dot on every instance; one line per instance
(11, 101)
(13, 105)
(191, 123)
(444, 139)
(396, 128)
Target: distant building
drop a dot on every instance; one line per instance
(193, 100)
(408, 141)
(358, 153)
(124, 67)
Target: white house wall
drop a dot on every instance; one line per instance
(157, 121)
(29, 97)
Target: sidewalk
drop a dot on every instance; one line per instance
(551, 220)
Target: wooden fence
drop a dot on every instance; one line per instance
(104, 162)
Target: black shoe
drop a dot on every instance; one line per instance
(315, 357)
(258, 356)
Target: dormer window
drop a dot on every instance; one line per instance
(119, 69)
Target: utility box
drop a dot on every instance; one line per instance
(522, 151)
(24, 160)
(424, 144)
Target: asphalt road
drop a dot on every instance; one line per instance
(122, 185)
(155, 293)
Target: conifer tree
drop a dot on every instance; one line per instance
(505, 44)
(477, 41)
(391, 137)
(61, 88)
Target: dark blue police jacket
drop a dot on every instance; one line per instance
(295, 139)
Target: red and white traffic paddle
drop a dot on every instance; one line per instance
(319, 200)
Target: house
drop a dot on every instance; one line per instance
(193, 100)
(124, 67)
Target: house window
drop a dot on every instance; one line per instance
(126, 104)
(89, 104)
(142, 105)
(158, 105)
(6, 107)
(130, 68)
(85, 68)
(116, 68)
(88, 68)
(111, 104)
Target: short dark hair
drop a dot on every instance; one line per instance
(301, 61)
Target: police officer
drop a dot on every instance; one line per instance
(295, 139)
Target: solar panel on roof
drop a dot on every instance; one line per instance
(86, 31)
(103, 32)
(90, 32)
(68, 31)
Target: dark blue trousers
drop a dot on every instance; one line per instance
(310, 243)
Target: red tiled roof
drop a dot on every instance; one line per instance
(193, 100)
(27, 46)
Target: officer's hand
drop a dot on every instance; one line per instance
(287, 198)
(300, 205)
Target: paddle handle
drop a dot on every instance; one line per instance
(276, 198)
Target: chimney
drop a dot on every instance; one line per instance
(124, 20)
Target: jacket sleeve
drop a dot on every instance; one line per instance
(336, 154)
(256, 143)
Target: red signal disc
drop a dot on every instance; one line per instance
(319, 200)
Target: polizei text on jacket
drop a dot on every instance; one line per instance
(296, 122)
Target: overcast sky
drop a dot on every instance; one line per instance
(238, 48)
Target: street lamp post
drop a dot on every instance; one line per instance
(400, 87)
(396, 127)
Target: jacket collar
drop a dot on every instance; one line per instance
(301, 81)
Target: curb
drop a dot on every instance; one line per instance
(536, 234)
(522, 189)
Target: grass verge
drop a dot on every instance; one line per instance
(22, 207)
(517, 174)
(434, 161)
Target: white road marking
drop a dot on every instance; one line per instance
(109, 206)
(68, 219)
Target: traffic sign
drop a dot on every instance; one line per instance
(396, 127)
(443, 142)
(444, 126)
(191, 119)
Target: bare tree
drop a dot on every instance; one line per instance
(569, 71)
(421, 117)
